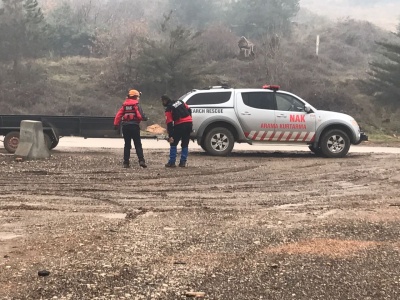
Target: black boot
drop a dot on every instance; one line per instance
(126, 164)
(142, 163)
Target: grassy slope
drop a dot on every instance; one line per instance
(73, 86)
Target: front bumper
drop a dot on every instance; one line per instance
(363, 138)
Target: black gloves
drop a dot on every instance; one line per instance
(116, 127)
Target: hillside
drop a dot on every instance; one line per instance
(69, 86)
(97, 84)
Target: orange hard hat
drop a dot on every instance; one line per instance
(133, 93)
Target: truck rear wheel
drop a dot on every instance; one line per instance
(335, 143)
(219, 141)
(11, 141)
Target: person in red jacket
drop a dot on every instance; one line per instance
(178, 117)
(129, 116)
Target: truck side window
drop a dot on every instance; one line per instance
(288, 103)
(209, 98)
(261, 100)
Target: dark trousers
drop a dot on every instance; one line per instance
(182, 133)
(132, 132)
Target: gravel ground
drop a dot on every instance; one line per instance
(254, 225)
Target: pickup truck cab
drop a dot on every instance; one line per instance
(223, 116)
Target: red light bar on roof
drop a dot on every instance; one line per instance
(271, 87)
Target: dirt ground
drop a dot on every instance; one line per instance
(254, 225)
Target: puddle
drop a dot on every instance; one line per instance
(101, 215)
(113, 216)
(329, 213)
(8, 236)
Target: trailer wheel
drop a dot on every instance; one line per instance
(51, 141)
(54, 143)
(11, 141)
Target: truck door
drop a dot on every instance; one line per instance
(293, 124)
(256, 114)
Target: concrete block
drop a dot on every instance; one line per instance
(31, 144)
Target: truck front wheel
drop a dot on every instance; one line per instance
(335, 143)
(316, 150)
(11, 141)
(219, 141)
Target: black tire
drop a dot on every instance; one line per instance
(335, 143)
(54, 143)
(51, 140)
(317, 151)
(219, 141)
(11, 141)
(203, 146)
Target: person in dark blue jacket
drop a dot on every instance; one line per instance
(178, 117)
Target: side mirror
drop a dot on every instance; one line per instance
(307, 108)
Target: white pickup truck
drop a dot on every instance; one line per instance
(223, 116)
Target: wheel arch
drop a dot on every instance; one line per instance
(338, 126)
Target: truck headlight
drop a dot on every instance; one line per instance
(354, 123)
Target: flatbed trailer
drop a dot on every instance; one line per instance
(55, 127)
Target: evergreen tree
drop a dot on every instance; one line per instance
(385, 75)
(69, 33)
(170, 64)
(22, 31)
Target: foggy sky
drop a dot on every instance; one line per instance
(383, 13)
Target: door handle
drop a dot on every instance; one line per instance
(281, 116)
(246, 113)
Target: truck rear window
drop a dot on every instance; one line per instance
(209, 98)
(259, 100)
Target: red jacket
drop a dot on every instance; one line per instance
(129, 113)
